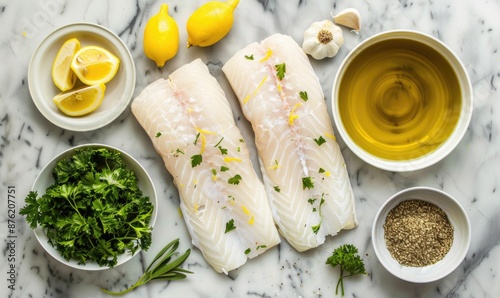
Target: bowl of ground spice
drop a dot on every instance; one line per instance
(421, 234)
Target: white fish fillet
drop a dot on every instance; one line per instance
(188, 116)
(303, 168)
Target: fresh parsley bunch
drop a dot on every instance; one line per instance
(94, 211)
(346, 256)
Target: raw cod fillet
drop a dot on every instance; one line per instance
(223, 201)
(303, 170)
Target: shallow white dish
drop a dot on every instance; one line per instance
(457, 217)
(119, 90)
(44, 179)
(460, 128)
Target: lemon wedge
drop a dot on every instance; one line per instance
(62, 75)
(80, 101)
(95, 65)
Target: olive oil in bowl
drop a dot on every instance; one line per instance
(399, 99)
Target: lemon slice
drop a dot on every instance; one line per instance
(94, 65)
(62, 75)
(80, 101)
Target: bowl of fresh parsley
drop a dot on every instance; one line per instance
(92, 207)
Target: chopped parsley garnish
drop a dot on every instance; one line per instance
(196, 160)
(219, 142)
(321, 170)
(234, 180)
(224, 169)
(214, 172)
(307, 183)
(261, 246)
(196, 139)
(247, 251)
(311, 201)
(280, 70)
(316, 228)
(230, 226)
(303, 95)
(320, 141)
(242, 141)
(223, 151)
(177, 152)
(249, 57)
(277, 189)
(158, 134)
(94, 209)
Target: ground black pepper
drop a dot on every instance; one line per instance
(417, 233)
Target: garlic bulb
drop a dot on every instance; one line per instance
(350, 18)
(322, 39)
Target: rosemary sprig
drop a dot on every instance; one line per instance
(163, 270)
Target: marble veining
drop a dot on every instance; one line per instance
(471, 172)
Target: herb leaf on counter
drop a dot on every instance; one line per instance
(94, 210)
(346, 256)
(164, 269)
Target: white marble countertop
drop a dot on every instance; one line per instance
(471, 172)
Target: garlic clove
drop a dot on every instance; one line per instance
(349, 18)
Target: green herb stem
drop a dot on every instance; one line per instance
(161, 268)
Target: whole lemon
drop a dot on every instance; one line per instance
(210, 23)
(161, 37)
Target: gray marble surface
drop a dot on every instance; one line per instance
(470, 173)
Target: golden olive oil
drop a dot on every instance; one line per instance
(399, 99)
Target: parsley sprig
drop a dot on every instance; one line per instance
(165, 268)
(94, 210)
(346, 256)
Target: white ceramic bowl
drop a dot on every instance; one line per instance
(457, 217)
(119, 90)
(44, 179)
(419, 162)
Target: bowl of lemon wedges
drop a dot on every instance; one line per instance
(81, 77)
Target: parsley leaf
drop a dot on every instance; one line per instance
(346, 256)
(280, 70)
(230, 226)
(307, 183)
(196, 160)
(277, 189)
(223, 151)
(158, 134)
(303, 95)
(249, 57)
(224, 169)
(320, 141)
(234, 180)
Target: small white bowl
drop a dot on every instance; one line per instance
(417, 162)
(119, 90)
(461, 236)
(44, 179)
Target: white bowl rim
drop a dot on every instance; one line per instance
(92, 266)
(439, 153)
(383, 209)
(127, 62)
